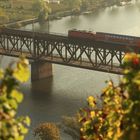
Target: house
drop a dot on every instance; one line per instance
(53, 1)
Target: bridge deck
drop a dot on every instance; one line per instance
(60, 49)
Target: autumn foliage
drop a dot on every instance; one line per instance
(11, 126)
(119, 116)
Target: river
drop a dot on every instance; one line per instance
(68, 89)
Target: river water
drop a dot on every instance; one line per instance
(67, 91)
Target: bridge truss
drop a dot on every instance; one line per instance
(59, 49)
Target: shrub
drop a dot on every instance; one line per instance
(47, 131)
(119, 116)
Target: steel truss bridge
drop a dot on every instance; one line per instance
(55, 48)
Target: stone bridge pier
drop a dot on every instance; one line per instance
(41, 74)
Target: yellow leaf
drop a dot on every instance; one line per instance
(92, 114)
(1, 74)
(17, 95)
(21, 72)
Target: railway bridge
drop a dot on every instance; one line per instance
(46, 48)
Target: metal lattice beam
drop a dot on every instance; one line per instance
(101, 56)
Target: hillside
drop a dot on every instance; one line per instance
(15, 10)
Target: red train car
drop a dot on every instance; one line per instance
(107, 37)
(79, 34)
(130, 40)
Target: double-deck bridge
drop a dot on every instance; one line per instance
(103, 56)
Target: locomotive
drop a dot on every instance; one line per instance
(81, 34)
(106, 37)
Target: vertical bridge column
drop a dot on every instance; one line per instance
(40, 73)
(40, 70)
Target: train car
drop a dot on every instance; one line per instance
(79, 34)
(131, 40)
(137, 40)
(107, 37)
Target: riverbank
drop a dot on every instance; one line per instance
(21, 23)
(58, 13)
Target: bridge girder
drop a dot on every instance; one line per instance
(100, 56)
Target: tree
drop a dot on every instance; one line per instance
(42, 9)
(74, 4)
(38, 5)
(85, 4)
(118, 118)
(3, 17)
(11, 126)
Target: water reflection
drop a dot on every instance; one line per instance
(72, 22)
(44, 86)
(113, 11)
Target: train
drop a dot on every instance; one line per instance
(79, 34)
(102, 36)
